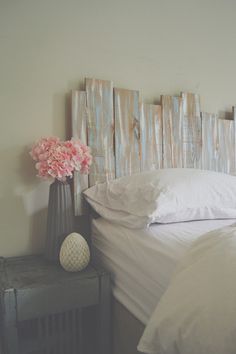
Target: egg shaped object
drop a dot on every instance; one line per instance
(74, 253)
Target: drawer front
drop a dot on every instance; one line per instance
(37, 302)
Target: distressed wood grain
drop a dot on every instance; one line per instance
(127, 132)
(151, 136)
(100, 129)
(127, 136)
(79, 131)
(172, 116)
(218, 143)
(234, 116)
(210, 141)
(191, 130)
(226, 133)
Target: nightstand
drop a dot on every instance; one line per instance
(46, 310)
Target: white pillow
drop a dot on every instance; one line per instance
(165, 196)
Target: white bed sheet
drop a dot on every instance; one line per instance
(142, 262)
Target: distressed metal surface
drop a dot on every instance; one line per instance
(172, 115)
(36, 320)
(191, 130)
(79, 131)
(127, 132)
(210, 142)
(100, 129)
(150, 136)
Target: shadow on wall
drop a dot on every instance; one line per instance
(62, 124)
(23, 204)
(62, 115)
(24, 197)
(35, 199)
(37, 230)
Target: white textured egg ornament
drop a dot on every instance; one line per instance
(74, 253)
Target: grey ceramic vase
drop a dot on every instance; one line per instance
(60, 220)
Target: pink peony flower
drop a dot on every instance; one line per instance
(58, 159)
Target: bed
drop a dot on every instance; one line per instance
(142, 263)
(127, 136)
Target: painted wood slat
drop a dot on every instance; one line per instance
(127, 132)
(172, 116)
(191, 130)
(234, 116)
(79, 131)
(218, 143)
(226, 133)
(100, 129)
(150, 136)
(210, 141)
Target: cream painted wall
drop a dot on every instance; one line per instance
(47, 47)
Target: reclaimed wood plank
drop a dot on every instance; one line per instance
(79, 131)
(127, 132)
(150, 136)
(100, 129)
(210, 141)
(226, 133)
(218, 143)
(191, 130)
(172, 116)
(234, 117)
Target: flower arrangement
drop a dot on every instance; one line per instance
(59, 159)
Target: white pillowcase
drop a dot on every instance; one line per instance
(165, 196)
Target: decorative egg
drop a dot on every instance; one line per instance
(74, 253)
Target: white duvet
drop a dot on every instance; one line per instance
(197, 313)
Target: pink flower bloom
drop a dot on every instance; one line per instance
(58, 159)
(41, 148)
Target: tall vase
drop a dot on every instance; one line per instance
(60, 220)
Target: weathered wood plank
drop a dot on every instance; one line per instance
(210, 141)
(79, 131)
(218, 143)
(127, 132)
(226, 133)
(100, 129)
(150, 136)
(172, 116)
(234, 116)
(191, 130)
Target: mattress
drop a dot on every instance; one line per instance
(142, 262)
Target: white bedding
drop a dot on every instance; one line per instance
(142, 262)
(197, 313)
(165, 196)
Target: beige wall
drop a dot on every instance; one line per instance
(47, 47)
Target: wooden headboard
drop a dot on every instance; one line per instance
(127, 135)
